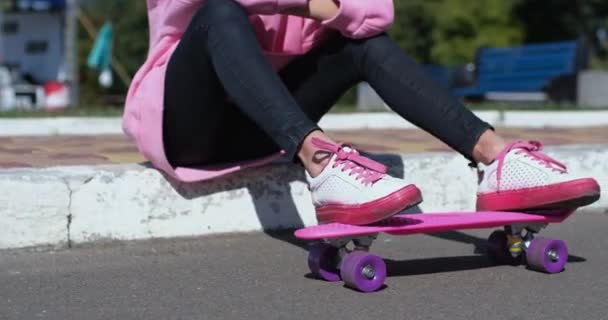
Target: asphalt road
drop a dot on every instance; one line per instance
(258, 276)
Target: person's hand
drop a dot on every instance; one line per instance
(317, 9)
(323, 9)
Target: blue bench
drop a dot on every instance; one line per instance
(451, 77)
(441, 74)
(525, 69)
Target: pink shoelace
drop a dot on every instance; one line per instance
(369, 171)
(528, 149)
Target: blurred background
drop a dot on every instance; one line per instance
(535, 54)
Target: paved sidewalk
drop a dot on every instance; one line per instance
(23, 152)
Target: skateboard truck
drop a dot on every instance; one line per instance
(361, 244)
(520, 236)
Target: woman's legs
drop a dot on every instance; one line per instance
(219, 57)
(409, 91)
(220, 46)
(518, 177)
(318, 79)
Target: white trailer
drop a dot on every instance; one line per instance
(33, 49)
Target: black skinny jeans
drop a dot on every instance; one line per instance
(224, 102)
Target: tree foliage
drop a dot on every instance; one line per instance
(130, 23)
(462, 26)
(560, 19)
(432, 31)
(413, 27)
(567, 19)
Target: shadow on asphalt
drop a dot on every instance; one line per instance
(444, 264)
(266, 201)
(427, 266)
(480, 244)
(436, 265)
(430, 266)
(288, 237)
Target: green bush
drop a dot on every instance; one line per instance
(130, 25)
(433, 31)
(462, 26)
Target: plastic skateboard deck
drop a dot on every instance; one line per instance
(333, 259)
(428, 223)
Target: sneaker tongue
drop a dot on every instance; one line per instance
(347, 149)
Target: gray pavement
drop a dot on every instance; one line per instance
(258, 276)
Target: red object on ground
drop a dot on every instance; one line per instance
(56, 95)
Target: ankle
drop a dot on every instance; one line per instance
(488, 147)
(313, 158)
(314, 167)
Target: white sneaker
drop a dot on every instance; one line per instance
(353, 189)
(523, 178)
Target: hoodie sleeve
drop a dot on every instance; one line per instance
(270, 6)
(362, 18)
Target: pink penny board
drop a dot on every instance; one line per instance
(427, 223)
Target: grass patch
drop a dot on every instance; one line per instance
(110, 111)
(69, 112)
(528, 106)
(490, 106)
(343, 108)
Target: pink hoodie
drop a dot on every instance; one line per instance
(282, 37)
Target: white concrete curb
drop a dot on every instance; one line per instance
(59, 126)
(376, 120)
(524, 119)
(56, 206)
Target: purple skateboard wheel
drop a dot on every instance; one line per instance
(498, 250)
(363, 271)
(547, 255)
(322, 262)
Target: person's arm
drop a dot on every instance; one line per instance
(353, 18)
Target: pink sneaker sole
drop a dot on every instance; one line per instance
(570, 194)
(373, 211)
